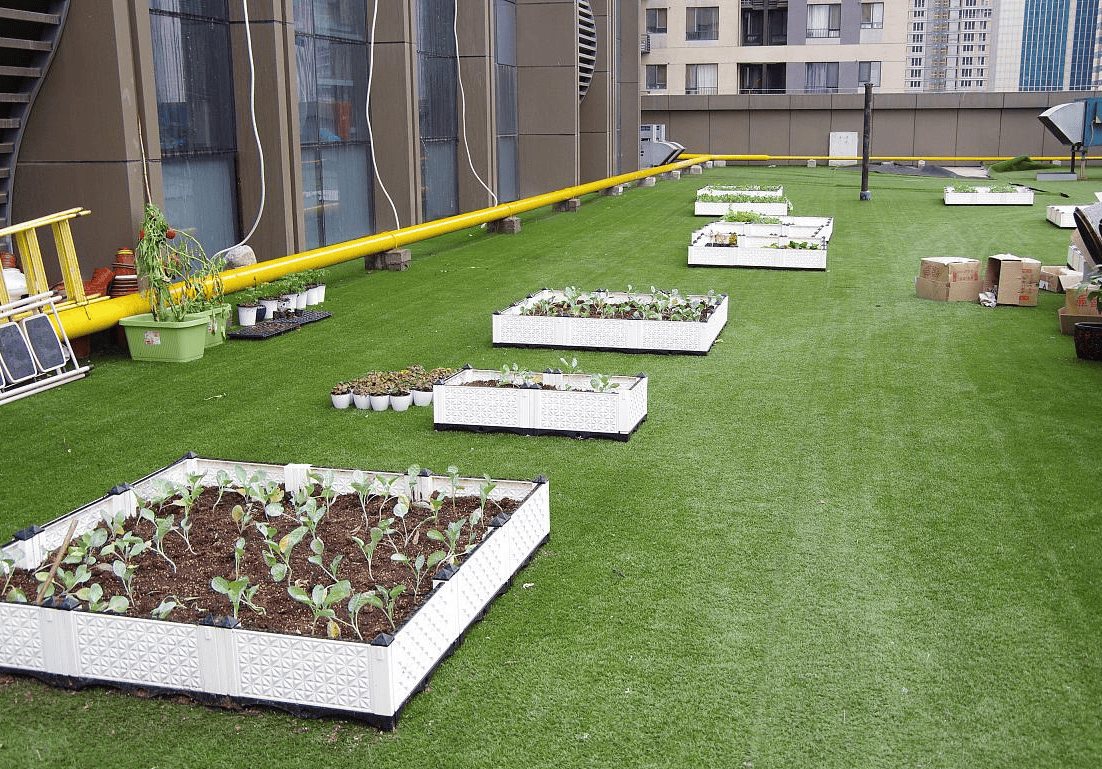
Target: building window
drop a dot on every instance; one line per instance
(822, 77)
(656, 77)
(438, 108)
(702, 79)
(824, 20)
(868, 72)
(656, 21)
(337, 177)
(918, 26)
(508, 121)
(872, 15)
(195, 115)
(702, 23)
(762, 78)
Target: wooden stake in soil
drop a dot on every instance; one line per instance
(57, 562)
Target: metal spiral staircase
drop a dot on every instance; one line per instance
(29, 35)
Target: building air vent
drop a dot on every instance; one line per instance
(587, 47)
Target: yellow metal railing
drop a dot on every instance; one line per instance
(26, 244)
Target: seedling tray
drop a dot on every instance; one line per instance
(266, 329)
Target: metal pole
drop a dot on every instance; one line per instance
(866, 140)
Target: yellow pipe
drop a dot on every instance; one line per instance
(87, 319)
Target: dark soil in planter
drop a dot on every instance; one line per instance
(214, 533)
(506, 385)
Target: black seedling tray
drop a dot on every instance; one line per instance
(266, 329)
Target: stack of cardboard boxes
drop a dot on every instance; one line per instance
(949, 279)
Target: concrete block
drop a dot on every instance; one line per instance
(646, 181)
(720, 163)
(695, 170)
(396, 259)
(613, 191)
(674, 175)
(567, 206)
(510, 225)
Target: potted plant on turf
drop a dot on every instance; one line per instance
(171, 330)
(1088, 334)
(248, 305)
(341, 395)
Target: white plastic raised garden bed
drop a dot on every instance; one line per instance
(711, 248)
(770, 203)
(983, 196)
(574, 409)
(795, 227)
(511, 328)
(1061, 216)
(368, 681)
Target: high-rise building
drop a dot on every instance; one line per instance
(1048, 45)
(771, 46)
(950, 45)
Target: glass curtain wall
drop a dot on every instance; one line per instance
(437, 108)
(331, 56)
(195, 115)
(505, 21)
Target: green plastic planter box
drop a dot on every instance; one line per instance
(163, 340)
(217, 320)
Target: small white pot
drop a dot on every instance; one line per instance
(321, 293)
(270, 306)
(361, 401)
(313, 296)
(287, 302)
(246, 316)
(379, 402)
(421, 397)
(341, 401)
(400, 402)
(300, 300)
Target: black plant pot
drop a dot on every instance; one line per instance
(1088, 341)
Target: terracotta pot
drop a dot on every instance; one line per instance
(8, 261)
(125, 256)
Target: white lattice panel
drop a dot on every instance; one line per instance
(21, 637)
(1022, 197)
(490, 406)
(584, 411)
(524, 329)
(482, 575)
(598, 332)
(634, 405)
(750, 193)
(421, 642)
(137, 650)
(529, 524)
(309, 671)
(719, 209)
(751, 256)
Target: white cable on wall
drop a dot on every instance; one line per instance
(256, 130)
(463, 102)
(367, 113)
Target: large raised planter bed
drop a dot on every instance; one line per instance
(793, 227)
(722, 200)
(745, 244)
(572, 409)
(304, 675)
(984, 196)
(513, 328)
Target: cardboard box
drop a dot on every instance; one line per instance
(947, 291)
(1012, 279)
(1059, 279)
(949, 269)
(1069, 319)
(1079, 301)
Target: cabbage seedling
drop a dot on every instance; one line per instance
(238, 592)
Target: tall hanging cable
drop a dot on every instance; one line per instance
(367, 113)
(256, 130)
(463, 101)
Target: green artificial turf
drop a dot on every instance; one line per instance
(863, 531)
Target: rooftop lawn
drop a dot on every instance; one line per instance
(863, 531)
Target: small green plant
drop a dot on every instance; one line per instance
(126, 549)
(419, 565)
(386, 600)
(239, 592)
(602, 383)
(374, 538)
(317, 557)
(241, 517)
(13, 594)
(277, 554)
(162, 525)
(93, 596)
(363, 485)
(321, 599)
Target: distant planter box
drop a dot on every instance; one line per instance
(367, 681)
(771, 203)
(573, 410)
(792, 227)
(512, 329)
(1062, 216)
(982, 196)
(711, 247)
